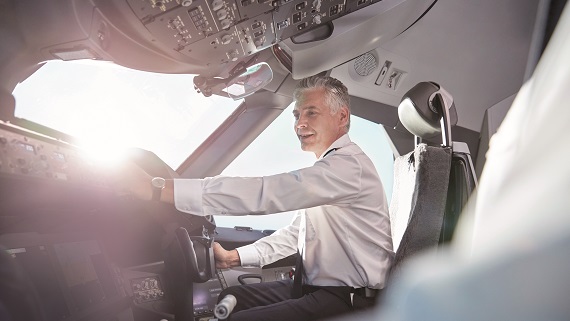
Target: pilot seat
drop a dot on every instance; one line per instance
(433, 182)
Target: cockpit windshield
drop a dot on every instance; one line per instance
(109, 108)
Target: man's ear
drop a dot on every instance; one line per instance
(343, 116)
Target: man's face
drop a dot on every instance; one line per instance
(315, 127)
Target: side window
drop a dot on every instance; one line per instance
(278, 150)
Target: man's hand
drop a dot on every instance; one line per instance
(225, 259)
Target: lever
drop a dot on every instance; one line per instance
(225, 307)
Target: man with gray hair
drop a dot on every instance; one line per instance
(341, 230)
(343, 234)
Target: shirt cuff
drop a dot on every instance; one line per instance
(188, 196)
(248, 255)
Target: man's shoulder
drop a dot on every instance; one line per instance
(344, 146)
(350, 149)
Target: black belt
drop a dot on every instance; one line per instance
(361, 292)
(366, 292)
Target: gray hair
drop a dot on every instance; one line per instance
(336, 93)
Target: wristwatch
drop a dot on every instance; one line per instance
(158, 184)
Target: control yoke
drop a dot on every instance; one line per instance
(187, 260)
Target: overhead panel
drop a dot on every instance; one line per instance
(361, 27)
(221, 31)
(297, 16)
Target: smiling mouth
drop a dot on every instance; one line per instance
(304, 136)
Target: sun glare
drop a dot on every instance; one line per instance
(103, 154)
(109, 107)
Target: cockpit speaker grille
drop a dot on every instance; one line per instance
(365, 64)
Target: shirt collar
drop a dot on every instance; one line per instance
(337, 144)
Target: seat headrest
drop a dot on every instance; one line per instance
(420, 109)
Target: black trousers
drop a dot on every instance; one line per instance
(272, 301)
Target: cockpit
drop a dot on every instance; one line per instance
(202, 88)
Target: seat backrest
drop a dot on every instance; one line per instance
(421, 180)
(462, 183)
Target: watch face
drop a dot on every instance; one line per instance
(158, 182)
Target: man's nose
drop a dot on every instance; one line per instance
(301, 123)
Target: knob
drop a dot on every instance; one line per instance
(259, 42)
(232, 55)
(186, 3)
(225, 39)
(217, 4)
(222, 14)
(226, 23)
(317, 19)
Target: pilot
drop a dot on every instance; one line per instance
(341, 230)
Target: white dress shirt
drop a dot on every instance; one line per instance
(342, 226)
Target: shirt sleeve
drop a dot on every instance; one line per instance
(331, 180)
(274, 247)
(188, 196)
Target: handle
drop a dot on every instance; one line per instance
(199, 271)
(225, 307)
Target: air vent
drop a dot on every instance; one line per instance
(365, 64)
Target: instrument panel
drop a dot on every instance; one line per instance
(224, 31)
(28, 155)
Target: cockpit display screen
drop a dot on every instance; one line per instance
(206, 296)
(70, 277)
(86, 273)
